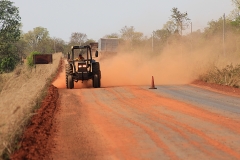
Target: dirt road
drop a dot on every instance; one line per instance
(133, 122)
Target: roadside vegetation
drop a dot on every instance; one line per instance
(230, 76)
(19, 101)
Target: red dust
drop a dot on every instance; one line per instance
(60, 82)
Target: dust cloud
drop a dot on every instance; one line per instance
(60, 82)
(177, 63)
(180, 63)
(138, 69)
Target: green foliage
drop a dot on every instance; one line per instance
(230, 75)
(30, 58)
(9, 35)
(236, 22)
(9, 22)
(10, 60)
(214, 27)
(38, 40)
(7, 64)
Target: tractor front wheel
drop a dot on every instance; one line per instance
(69, 71)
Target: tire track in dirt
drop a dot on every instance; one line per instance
(120, 146)
(75, 137)
(194, 112)
(165, 121)
(116, 130)
(194, 131)
(146, 129)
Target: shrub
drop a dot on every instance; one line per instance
(30, 58)
(8, 63)
(230, 76)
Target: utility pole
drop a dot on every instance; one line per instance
(224, 34)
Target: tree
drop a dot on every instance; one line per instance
(129, 35)
(88, 41)
(162, 35)
(36, 36)
(21, 46)
(180, 20)
(9, 34)
(59, 45)
(113, 35)
(236, 3)
(38, 40)
(216, 26)
(78, 38)
(235, 12)
(170, 27)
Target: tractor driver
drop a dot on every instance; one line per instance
(80, 57)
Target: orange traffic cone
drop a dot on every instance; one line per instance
(153, 86)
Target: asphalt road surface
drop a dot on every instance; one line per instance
(134, 122)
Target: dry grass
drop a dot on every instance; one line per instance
(229, 75)
(19, 96)
(3, 79)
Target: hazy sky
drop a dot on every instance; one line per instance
(96, 18)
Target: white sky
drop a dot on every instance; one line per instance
(96, 18)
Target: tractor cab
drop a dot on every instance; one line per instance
(83, 67)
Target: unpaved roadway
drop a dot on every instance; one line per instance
(133, 122)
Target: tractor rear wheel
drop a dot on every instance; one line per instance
(96, 71)
(95, 81)
(70, 82)
(99, 82)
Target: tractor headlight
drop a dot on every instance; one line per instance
(81, 66)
